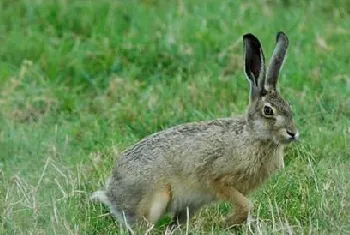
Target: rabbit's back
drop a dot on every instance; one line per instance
(181, 149)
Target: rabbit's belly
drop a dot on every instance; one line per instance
(189, 198)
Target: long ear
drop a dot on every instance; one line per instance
(254, 64)
(276, 61)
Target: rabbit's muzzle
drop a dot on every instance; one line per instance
(288, 135)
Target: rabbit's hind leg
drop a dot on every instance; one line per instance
(153, 207)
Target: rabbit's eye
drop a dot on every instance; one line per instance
(268, 111)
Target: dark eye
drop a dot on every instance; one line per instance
(268, 111)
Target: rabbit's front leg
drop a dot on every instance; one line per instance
(242, 210)
(243, 206)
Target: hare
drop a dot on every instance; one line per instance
(178, 170)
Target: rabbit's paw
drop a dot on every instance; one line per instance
(170, 229)
(235, 220)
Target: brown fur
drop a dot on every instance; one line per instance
(194, 164)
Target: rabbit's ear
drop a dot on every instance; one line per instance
(254, 64)
(276, 61)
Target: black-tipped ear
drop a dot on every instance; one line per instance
(254, 58)
(277, 60)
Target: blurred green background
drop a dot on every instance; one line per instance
(82, 80)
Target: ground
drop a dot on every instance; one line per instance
(82, 80)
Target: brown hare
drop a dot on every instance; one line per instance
(178, 170)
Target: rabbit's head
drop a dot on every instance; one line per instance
(269, 115)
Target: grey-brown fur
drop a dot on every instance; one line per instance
(193, 164)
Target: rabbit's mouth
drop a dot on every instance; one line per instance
(289, 136)
(288, 141)
(286, 136)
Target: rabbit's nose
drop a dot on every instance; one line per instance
(293, 135)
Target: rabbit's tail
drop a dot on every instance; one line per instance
(102, 197)
(120, 215)
(101, 194)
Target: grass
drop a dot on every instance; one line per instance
(82, 80)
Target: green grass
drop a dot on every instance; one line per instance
(82, 80)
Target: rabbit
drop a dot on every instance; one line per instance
(178, 170)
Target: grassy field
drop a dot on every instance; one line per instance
(82, 80)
